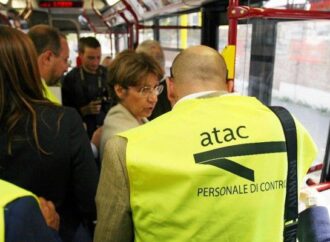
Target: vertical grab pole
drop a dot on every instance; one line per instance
(232, 40)
(232, 31)
(135, 41)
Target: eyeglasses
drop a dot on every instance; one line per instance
(147, 91)
(66, 60)
(163, 79)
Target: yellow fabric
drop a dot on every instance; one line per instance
(175, 199)
(228, 54)
(48, 94)
(8, 193)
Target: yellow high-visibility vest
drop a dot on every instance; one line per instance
(48, 94)
(9, 193)
(212, 169)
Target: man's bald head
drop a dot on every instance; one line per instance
(196, 69)
(201, 66)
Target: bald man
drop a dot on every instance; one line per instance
(214, 168)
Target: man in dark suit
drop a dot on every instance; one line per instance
(84, 88)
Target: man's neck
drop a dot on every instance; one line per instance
(45, 79)
(89, 71)
(210, 93)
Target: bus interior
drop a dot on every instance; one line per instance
(276, 50)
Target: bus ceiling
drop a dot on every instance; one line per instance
(91, 15)
(94, 15)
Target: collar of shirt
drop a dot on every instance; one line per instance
(205, 93)
(145, 120)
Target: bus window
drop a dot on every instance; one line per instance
(72, 39)
(301, 75)
(169, 37)
(291, 61)
(147, 33)
(190, 37)
(122, 41)
(173, 40)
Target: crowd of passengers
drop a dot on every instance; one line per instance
(54, 148)
(49, 148)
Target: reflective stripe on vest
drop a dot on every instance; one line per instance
(8, 193)
(202, 175)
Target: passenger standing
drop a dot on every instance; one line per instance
(43, 147)
(153, 48)
(84, 87)
(212, 169)
(134, 82)
(53, 54)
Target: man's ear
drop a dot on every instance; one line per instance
(230, 85)
(170, 91)
(120, 91)
(46, 57)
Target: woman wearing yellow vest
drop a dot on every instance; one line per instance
(211, 170)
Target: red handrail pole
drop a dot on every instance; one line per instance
(321, 186)
(5, 19)
(111, 15)
(232, 31)
(129, 30)
(315, 168)
(245, 12)
(232, 35)
(136, 21)
(97, 12)
(90, 24)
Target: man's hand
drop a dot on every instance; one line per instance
(93, 107)
(49, 213)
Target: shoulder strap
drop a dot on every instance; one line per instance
(291, 199)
